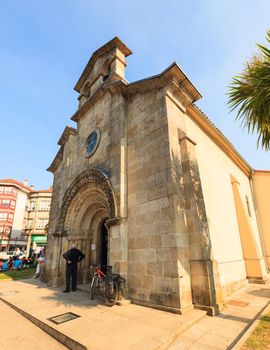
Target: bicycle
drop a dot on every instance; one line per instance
(107, 284)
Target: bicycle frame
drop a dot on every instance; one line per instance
(99, 273)
(106, 283)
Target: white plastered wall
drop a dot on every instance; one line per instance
(215, 170)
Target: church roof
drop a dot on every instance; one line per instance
(174, 74)
(115, 42)
(173, 71)
(143, 85)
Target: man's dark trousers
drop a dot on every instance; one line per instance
(71, 271)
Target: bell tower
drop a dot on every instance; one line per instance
(107, 64)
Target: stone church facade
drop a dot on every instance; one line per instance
(146, 183)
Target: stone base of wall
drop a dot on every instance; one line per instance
(53, 278)
(163, 307)
(211, 310)
(228, 289)
(56, 282)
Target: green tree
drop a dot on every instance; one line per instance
(249, 92)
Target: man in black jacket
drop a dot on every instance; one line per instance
(73, 257)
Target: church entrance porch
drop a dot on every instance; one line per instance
(87, 205)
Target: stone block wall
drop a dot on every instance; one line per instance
(108, 115)
(154, 245)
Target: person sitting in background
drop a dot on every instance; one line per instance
(17, 263)
(24, 263)
(1, 263)
(10, 263)
(4, 265)
(33, 260)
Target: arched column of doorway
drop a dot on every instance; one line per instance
(88, 203)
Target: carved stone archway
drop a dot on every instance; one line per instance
(88, 202)
(94, 180)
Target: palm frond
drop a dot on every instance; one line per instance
(249, 94)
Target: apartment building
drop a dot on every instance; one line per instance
(38, 210)
(24, 214)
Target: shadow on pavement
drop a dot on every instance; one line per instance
(263, 292)
(78, 299)
(234, 318)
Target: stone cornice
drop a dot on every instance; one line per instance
(114, 221)
(171, 74)
(63, 139)
(56, 160)
(65, 135)
(111, 87)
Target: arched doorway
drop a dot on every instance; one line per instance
(87, 204)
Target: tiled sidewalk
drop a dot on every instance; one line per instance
(132, 327)
(226, 329)
(98, 327)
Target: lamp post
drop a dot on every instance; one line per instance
(16, 240)
(28, 242)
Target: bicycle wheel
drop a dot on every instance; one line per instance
(111, 293)
(93, 287)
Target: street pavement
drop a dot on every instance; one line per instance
(19, 333)
(131, 327)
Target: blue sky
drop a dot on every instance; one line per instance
(45, 45)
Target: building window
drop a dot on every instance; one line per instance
(33, 205)
(29, 224)
(248, 206)
(92, 142)
(44, 205)
(5, 230)
(3, 216)
(12, 204)
(8, 190)
(10, 217)
(5, 203)
(42, 223)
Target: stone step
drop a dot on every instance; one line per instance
(56, 334)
